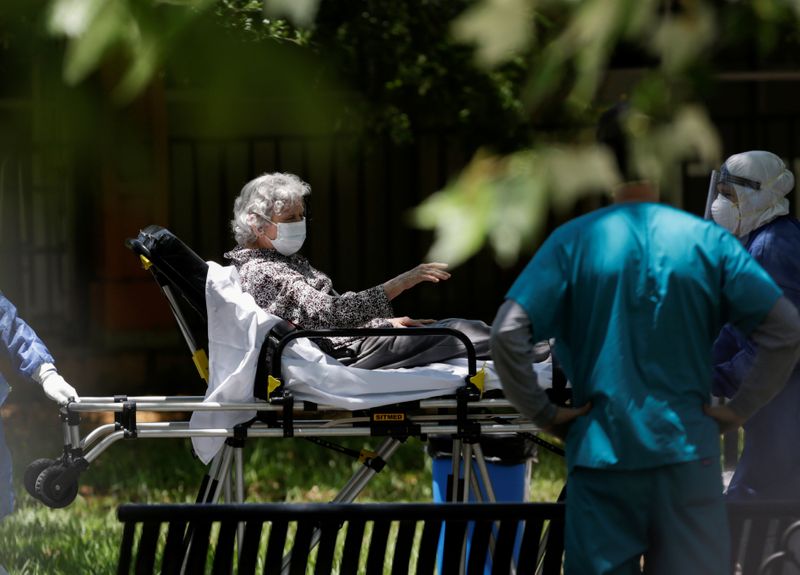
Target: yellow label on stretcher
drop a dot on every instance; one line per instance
(145, 262)
(478, 379)
(272, 384)
(389, 417)
(201, 363)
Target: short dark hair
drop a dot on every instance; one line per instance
(611, 132)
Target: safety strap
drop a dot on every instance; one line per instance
(273, 383)
(479, 379)
(201, 363)
(727, 178)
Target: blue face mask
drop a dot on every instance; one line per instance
(290, 238)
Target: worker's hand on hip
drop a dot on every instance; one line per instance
(564, 418)
(726, 418)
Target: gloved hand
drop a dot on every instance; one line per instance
(54, 386)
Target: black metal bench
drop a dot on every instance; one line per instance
(401, 538)
(373, 538)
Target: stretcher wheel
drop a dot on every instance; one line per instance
(32, 474)
(51, 491)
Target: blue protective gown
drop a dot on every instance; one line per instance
(27, 352)
(770, 464)
(625, 291)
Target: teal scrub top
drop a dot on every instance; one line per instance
(635, 295)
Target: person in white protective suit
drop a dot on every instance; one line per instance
(751, 203)
(270, 227)
(31, 358)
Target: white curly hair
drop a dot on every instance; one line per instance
(262, 198)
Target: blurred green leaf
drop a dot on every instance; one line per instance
(594, 28)
(767, 9)
(301, 12)
(132, 37)
(520, 208)
(458, 213)
(499, 28)
(576, 171)
(142, 68)
(589, 41)
(73, 18)
(505, 200)
(682, 37)
(659, 149)
(92, 28)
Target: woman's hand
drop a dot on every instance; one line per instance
(429, 272)
(408, 322)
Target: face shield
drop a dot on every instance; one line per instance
(726, 197)
(712, 193)
(723, 178)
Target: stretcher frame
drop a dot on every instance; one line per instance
(465, 417)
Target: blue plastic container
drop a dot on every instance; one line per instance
(511, 483)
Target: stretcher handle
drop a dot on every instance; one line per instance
(137, 247)
(367, 331)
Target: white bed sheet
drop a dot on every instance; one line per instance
(236, 328)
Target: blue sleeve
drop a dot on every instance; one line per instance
(733, 355)
(777, 250)
(748, 292)
(541, 289)
(19, 342)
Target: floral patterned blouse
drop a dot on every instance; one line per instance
(290, 288)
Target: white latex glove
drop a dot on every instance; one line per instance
(54, 386)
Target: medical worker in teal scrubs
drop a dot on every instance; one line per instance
(634, 295)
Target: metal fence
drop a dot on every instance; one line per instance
(38, 255)
(359, 230)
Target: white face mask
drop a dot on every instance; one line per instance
(290, 238)
(726, 214)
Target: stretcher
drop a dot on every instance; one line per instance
(268, 379)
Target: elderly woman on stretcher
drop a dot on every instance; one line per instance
(270, 227)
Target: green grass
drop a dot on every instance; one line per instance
(84, 537)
